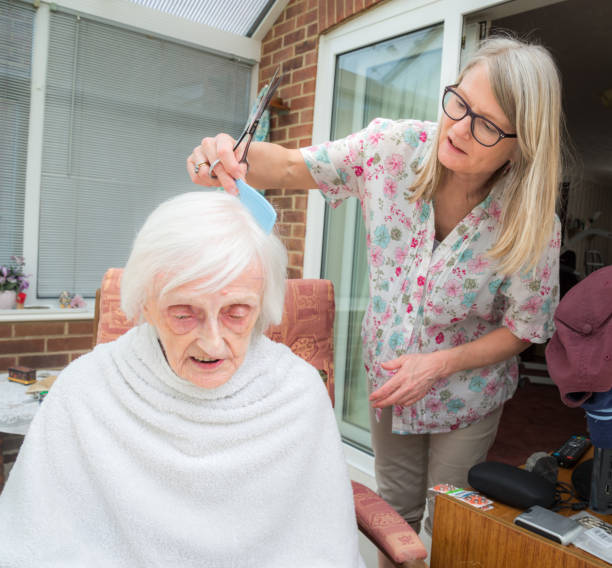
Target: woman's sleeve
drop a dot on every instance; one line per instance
(532, 297)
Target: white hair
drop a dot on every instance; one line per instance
(202, 235)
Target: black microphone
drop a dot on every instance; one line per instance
(544, 465)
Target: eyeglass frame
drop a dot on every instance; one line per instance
(469, 112)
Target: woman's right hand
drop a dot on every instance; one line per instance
(227, 170)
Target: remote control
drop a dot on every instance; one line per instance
(570, 452)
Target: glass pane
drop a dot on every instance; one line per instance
(396, 78)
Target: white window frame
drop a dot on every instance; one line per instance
(127, 15)
(388, 20)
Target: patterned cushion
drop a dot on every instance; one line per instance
(385, 527)
(306, 327)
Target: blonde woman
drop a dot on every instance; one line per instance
(463, 246)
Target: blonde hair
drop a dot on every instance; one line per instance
(526, 83)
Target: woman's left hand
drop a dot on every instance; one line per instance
(413, 376)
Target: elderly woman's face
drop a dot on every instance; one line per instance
(206, 335)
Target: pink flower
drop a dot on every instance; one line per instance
(414, 243)
(370, 162)
(458, 338)
(400, 255)
(398, 271)
(377, 256)
(439, 338)
(546, 273)
(421, 280)
(358, 170)
(394, 164)
(477, 264)
(452, 288)
(375, 138)
(423, 136)
(433, 404)
(495, 210)
(390, 188)
(409, 308)
(533, 305)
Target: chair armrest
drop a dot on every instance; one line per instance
(387, 530)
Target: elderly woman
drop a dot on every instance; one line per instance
(192, 440)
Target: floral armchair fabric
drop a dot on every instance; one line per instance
(307, 328)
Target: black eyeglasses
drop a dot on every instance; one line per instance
(484, 131)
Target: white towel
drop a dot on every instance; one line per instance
(126, 464)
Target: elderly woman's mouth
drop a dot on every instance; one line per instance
(207, 363)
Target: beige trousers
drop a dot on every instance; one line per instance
(406, 465)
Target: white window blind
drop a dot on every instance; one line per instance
(16, 22)
(123, 111)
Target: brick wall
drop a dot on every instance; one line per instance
(45, 344)
(292, 43)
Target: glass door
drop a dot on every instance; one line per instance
(394, 78)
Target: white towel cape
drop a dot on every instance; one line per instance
(126, 464)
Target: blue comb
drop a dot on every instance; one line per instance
(258, 205)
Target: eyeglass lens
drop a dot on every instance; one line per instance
(483, 130)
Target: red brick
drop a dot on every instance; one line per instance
(300, 202)
(340, 13)
(295, 245)
(293, 216)
(308, 87)
(296, 259)
(6, 330)
(69, 343)
(280, 202)
(330, 13)
(265, 61)
(290, 64)
(296, 192)
(289, 91)
(6, 362)
(305, 142)
(307, 115)
(282, 55)
(46, 361)
(293, 37)
(29, 329)
(302, 102)
(304, 74)
(298, 230)
(294, 272)
(312, 30)
(16, 346)
(305, 46)
(80, 327)
(300, 131)
(278, 134)
(284, 229)
(74, 356)
(310, 58)
(284, 27)
(289, 118)
(270, 46)
(307, 18)
(312, 4)
(358, 6)
(294, 9)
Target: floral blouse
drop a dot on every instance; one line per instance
(424, 298)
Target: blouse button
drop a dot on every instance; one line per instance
(587, 328)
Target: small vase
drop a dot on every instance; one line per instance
(8, 299)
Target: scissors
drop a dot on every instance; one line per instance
(252, 124)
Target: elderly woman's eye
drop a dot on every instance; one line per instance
(238, 312)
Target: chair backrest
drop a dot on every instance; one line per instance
(307, 326)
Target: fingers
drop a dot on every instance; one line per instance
(226, 170)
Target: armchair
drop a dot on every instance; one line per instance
(307, 328)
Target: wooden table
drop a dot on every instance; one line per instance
(466, 537)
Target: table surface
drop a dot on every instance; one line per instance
(17, 409)
(457, 543)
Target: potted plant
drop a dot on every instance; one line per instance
(13, 281)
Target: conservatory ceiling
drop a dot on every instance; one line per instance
(237, 16)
